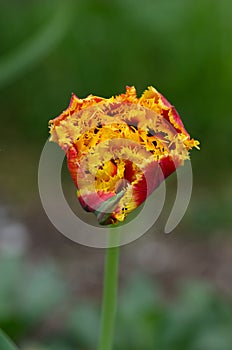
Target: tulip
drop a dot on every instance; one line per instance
(120, 149)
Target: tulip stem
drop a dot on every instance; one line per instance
(109, 302)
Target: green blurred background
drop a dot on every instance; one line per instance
(176, 290)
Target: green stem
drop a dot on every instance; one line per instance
(109, 298)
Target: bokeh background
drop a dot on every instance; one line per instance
(176, 290)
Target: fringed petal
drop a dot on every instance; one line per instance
(120, 149)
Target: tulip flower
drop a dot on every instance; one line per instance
(116, 148)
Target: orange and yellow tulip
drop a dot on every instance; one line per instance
(116, 148)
